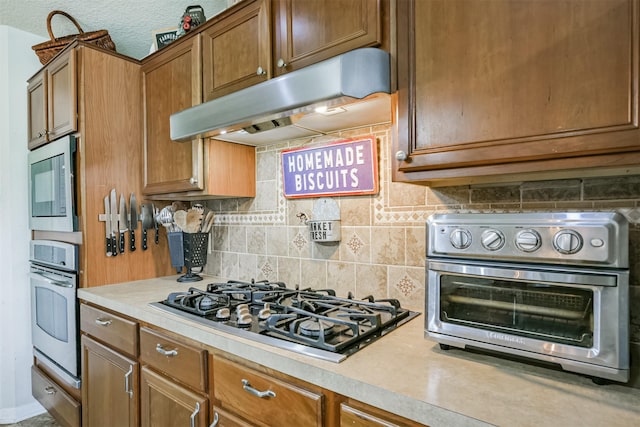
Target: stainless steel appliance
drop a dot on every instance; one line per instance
(51, 186)
(313, 322)
(54, 308)
(546, 286)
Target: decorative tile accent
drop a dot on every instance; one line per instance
(299, 241)
(406, 286)
(355, 244)
(267, 270)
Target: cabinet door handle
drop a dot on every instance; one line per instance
(281, 63)
(195, 413)
(261, 394)
(261, 71)
(215, 420)
(193, 180)
(103, 322)
(50, 390)
(127, 383)
(160, 349)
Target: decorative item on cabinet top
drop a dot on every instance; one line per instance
(49, 49)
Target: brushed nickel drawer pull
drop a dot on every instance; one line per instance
(160, 349)
(50, 390)
(261, 394)
(195, 413)
(103, 322)
(215, 420)
(127, 382)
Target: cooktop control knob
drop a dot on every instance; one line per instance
(460, 238)
(567, 242)
(492, 240)
(528, 240)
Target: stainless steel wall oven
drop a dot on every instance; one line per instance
(546, 286)
(54, 308)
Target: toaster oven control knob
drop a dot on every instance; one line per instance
(492, 240)
(528, 240)
(567, 242)
(460, 238)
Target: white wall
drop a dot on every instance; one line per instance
(17, 63)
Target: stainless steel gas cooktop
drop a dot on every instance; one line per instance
(313, 322)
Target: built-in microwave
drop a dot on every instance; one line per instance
(51, 186)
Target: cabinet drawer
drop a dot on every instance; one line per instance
(262, 399)
(60, 405)
(177, 359)
(118, 332)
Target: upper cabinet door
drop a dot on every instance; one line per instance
(236, 51)
(307, 32)
(493, 87)
(37, 109)
(52, 101)
(172, 82)
(62, 98)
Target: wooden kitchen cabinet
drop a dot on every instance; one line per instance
(110, 386)
(61, 405)
(174, 381)
(172, 81)
(499, 90)
(306, 32)
(193, 170)
(167, 404)
(236, 50)
(52, 100)
(260, 398)
(357, 414)
(110, 371)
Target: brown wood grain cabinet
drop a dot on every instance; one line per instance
(165, 403)
(306, 32)
(110, 386)
(261, 398)
(60, 404)
(236, 50)
(193, 170)
(358, 414)
(51, 100)
(110, 369)
(495, 90)
(171, 82)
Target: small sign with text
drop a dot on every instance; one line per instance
(342, 168)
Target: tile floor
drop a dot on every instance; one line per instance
(42, 420)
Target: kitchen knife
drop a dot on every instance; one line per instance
(113, 216)
(123, 220)
(133, 221)
(155, 222)
(147, 222)
(107, 225)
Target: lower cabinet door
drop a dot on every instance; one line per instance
(164, 403)
(64, 408)
(109, 387)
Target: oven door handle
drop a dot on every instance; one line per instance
(44, 276)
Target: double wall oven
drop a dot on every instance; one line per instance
(54, 308)
(546, 286)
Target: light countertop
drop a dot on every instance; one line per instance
(405, 373)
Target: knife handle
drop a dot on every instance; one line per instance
(122, 242)
(109, 250)
(157, 238)
(144, 239)
(114, 245)
(132, 240)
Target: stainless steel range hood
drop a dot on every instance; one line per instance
(354, 88)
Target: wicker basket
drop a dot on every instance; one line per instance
(49, 49)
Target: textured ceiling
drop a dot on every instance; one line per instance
(129, 23)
